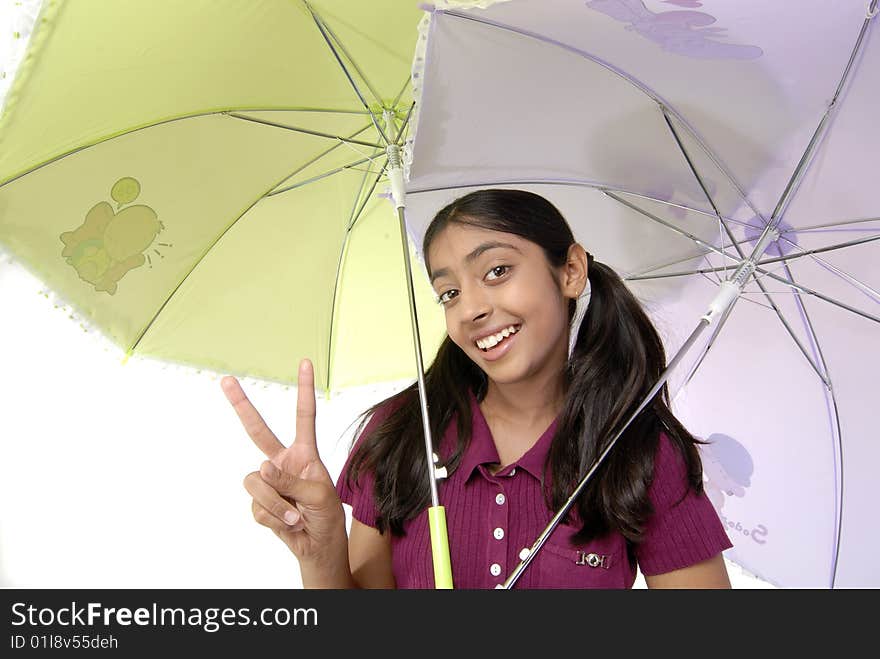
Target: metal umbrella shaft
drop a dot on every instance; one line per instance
(436, 513)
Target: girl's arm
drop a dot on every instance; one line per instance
(711, 573)
(364, 561)
(369, 555)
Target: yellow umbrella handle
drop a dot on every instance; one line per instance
(440, 547)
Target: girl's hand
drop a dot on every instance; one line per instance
(292, 492)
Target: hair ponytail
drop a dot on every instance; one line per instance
(617, 359)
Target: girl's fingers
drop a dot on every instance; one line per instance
(267, 519)
(305, 407)
(268, 498)
(253, 423)
(312, 493)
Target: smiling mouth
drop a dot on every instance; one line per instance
(502, 342)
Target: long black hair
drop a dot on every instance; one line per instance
(617, 358)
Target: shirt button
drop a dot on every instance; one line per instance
(499, 499)
(498, 533)
(495, 569)
(512, 472)
(524, 554)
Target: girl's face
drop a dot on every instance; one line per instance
(488, 281)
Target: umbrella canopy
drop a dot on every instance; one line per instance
(671, 135)
(203, 181)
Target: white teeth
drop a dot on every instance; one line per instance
(495, 339)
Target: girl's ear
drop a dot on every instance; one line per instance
(574, 272)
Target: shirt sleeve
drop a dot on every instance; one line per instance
(682, 531)
(359, 495)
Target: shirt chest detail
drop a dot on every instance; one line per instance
(592, 559)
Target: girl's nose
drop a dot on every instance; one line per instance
(476, 304)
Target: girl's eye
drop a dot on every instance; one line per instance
(504, 268)
(443, 298)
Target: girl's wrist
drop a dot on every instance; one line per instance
(327, 575)
(331, 570)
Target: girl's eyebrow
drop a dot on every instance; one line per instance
(483, 247)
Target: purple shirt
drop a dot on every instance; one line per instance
(491, 518)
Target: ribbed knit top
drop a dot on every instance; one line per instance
(492, 518)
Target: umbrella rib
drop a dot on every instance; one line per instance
(339, 262)
(321, 155)
(354, 218)
(801, 168)
(207, 250)
(400, 94)
(640, 274)
(803, 253)
(770, 300)
(123, 133)
(761, 304)
(355, 211)
(368, 170)
(853, 230)
(835, 425)
(357, 214)
(839, 272)
(831, 224)
(405, 124)
(357, 91)
(696, 211)
(268, 193)
(265, 122)
(670, 225)
(583, 183)
(351, 59)
(821, 296)
(783, 280)
(327, 110)
(274, 192)
(692, 167)
(638, 84)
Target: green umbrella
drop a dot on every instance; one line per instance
(199, 181)
(203, 183)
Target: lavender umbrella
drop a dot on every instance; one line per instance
(722, 158)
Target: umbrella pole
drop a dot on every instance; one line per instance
(436, 513)
(719, 309)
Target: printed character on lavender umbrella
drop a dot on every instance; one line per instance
(727, 468)
(682, 32)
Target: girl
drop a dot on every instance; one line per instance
(517, 419)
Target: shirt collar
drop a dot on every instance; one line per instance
(481, 449)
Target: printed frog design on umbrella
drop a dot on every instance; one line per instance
(727, 468)
(109, 244)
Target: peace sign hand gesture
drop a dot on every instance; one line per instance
(292, 492)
